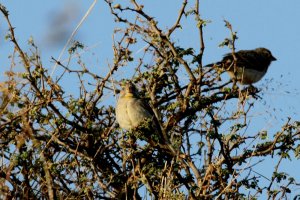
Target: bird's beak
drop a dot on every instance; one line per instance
(273, 58)
(129, 95)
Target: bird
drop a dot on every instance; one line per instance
(131, 111)
(250, 65)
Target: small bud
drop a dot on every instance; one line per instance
(117, 6)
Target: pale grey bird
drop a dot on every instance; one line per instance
(130, 109)
(251, 65)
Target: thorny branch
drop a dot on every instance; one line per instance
(68, 147)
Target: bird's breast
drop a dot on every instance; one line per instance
(247, 76)
(130, 112)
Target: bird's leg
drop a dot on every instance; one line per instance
(249, 91)
(253, 91)
(234, 85)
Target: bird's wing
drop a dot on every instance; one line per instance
(148, 113)
(144, 107)
(245, 58)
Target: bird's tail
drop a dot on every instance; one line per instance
(218, 64)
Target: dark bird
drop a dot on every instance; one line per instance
(250, 65)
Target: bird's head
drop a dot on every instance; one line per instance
(266, 52)
(129, 90)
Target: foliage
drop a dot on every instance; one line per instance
(55, 145)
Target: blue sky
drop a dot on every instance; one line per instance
(271, 24)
